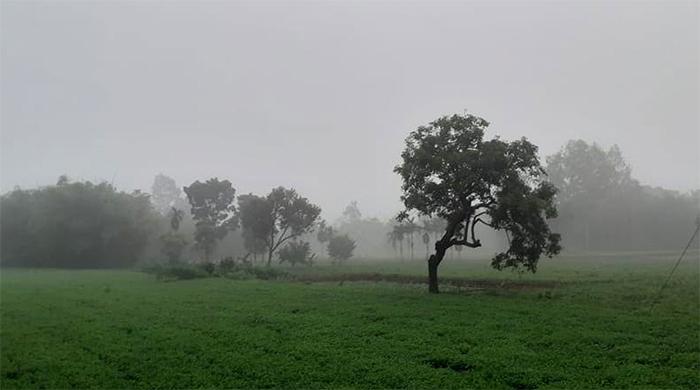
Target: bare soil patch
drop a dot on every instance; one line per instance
(465, 283)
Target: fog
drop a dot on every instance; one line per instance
(319, 97)
(259, 194)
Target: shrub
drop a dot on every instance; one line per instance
(340, 248)
(296, 252)
(207, 267)
(177, 272)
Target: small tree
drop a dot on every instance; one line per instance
(173, 245)
(213, 211)
(340, 247)
(296, 252)
(352, 212)
(324, 232)
(281, 216)
(449, 171)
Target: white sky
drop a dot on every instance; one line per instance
(319, 96)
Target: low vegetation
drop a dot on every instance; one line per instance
(587, 324)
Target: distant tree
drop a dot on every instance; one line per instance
(426, 242)
(281, 216)
(255, 215)
(173, 246)
(586, 170)
(352, 212)
(340, 247)
(165, 194)
(296, 252)
(409, 229)
(75, 225)
(213, 211)
(176, 216)
(395, 237)
(324, 232)
(602, 207)
(586, 176)
(449, 171)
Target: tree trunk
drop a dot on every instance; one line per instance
(433, 264)
(432, 276)
(269, 257)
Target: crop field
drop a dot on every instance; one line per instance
(581, 321)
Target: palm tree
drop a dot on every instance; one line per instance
(176, 216)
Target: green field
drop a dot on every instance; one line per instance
(125, 329)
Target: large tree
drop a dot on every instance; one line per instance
(75, 224)
(450, 171)
(277, 218)
(587, 177)
(255, 216)
(213, 211)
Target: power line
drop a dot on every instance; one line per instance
(668, 279)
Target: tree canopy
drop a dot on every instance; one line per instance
(340, 247)
(449, 171)
(280, 216)
(213, 209)
(75, 225)
(602, 206)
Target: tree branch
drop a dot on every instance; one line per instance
(281, 239)
(464, 242)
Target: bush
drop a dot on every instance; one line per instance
(208, 267)
(296, 252)
(177, 272)
(340, 248)
(227, 267)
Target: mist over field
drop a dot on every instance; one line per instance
(306, 194)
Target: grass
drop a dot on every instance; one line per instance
(124, 329)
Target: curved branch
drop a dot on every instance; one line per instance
(464, 242)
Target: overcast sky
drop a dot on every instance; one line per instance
(319, 96)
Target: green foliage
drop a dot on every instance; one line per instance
(273, 220)
(208, 267)
(340, 247)
(602, 207)
(583, 171)
(296, 252)
(77, 224)
(450, 171)
(324, 232)
(121, 329)
(257, 224)
(214, 212)
(179, 272)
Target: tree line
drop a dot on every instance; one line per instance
(460, 191)
(86, 225)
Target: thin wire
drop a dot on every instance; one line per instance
(697, 228)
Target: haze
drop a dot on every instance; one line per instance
(320, 97)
